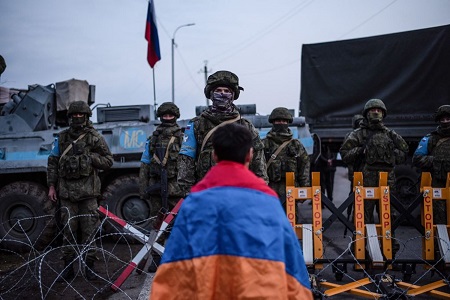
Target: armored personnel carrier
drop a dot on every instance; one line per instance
(29, 123)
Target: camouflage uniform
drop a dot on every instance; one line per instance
(357, 120)
(327, 168)
(292, 158)
(193, 161)
(433, 155)
(153, 163)
(378, 148)
(74, 174)
(150, 171)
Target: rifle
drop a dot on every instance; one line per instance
(162, 186)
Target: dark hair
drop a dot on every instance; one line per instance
(232, 142)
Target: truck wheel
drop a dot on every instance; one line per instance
(407, 186)
(22, 226)
(121, 197)
(407, 183)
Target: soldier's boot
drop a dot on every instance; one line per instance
(154, 264)
(89, 270)
(68, 273)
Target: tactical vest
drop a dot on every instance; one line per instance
(441, 161)
(205, 160)
(76, 163)
(158, 145)
(380, 150)
(286, 160)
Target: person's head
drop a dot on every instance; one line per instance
(442, 116)
(374, 111)
(357, 120)
(2, 64)
(222, 88)
(79, 113)
(280, 118)
(168, 112)
(233, 142)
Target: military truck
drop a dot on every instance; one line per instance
(29, 123)
(408, 70)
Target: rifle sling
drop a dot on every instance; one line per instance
(208, 135)
(166, 155)
(275, 154)
(441, 141)
(70, 146)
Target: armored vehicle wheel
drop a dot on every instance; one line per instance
(122, 199)
(23, 226)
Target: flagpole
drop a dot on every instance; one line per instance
(154, 92)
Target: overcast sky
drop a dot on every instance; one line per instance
(102, 41)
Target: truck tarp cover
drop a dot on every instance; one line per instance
(407, 70)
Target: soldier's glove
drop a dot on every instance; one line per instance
(95, 159)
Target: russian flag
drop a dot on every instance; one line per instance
(151, 35)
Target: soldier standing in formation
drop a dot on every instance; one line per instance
(72, 177)
(284, 154)
(357, 120)
(433, 155)
(378, 148)
(196, 157)
(327, 168)
(159, 160)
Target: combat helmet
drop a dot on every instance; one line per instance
(280, 113)
(442, 111)
(223, 78)
(374, 103)
(168, 108)
(80, 107)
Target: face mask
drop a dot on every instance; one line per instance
(222, 101)
(77, 122)
(168, 120)
(375, 117)
(444, 125)
(280, 128)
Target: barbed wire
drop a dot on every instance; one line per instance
(32, 272)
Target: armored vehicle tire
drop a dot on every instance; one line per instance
(26, 217)
(121, 197)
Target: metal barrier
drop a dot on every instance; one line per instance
(372, 240)
(149, 242)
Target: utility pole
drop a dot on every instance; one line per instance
(205, 70)
(173, 59)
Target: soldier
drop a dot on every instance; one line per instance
(284, 154)
(378, 148)
(72, 177)
(195, 157)
(327, 168)
(357, 120)
(2, 65)
(158, 172)
(433, 155)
